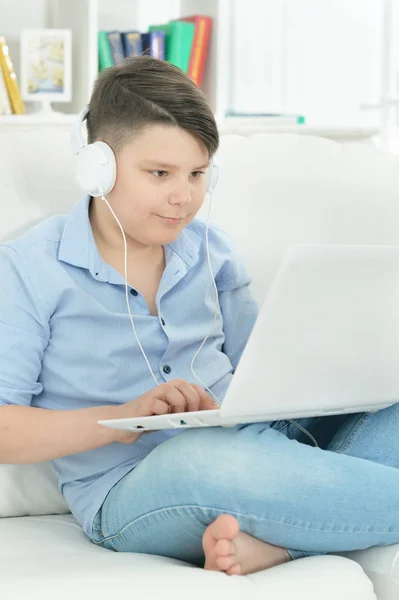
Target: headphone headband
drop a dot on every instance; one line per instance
(77, 139)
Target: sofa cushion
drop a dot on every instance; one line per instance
(275, 190)
(18, 210)
(36, 181)
(49, 557)
(30, 490)
(37, 171)
(381, 564)
(287, 189)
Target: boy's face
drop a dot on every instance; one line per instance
(160, 184)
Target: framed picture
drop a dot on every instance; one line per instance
(46, 65)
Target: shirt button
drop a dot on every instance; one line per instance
(134, 292)
(163, 321)
(167, 369)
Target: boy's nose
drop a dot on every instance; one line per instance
(180, 195)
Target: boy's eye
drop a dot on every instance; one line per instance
(160, 174)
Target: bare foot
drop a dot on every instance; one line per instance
(236, 552)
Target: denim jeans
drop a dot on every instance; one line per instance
(341, 496)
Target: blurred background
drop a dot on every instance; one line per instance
(329, 67)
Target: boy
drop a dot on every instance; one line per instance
(217, 497)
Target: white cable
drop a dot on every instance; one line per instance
(214, 315)
(127, 290)
(216, 298)
(128, 305)
(304, 431)
(214, 321)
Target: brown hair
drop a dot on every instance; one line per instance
(141, 91)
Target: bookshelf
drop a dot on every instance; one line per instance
(86, 17)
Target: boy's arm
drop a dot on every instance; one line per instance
(30, 434)
(238, 308)
(24, 332)
(239, 311)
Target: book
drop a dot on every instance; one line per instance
(199, 50)
(116, 45)
(153, 43)
(132, 43)
(253, 119)
(5, 105)
(10, 79)
(179, 37)
(158, 44)
(105, 59)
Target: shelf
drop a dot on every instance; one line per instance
(37, 119)
(331, 131)
(86, 17)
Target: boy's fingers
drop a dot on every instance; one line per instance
(176, 400)
(160, 407)
(190, 394)
(206, 401)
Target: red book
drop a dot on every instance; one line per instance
(199, 50)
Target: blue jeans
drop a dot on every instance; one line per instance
(339, 497)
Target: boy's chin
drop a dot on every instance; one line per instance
(163, 239)
(164, 236)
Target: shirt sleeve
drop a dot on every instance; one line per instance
(238, 308)
(24, 332)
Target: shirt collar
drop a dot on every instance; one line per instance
(78, 247)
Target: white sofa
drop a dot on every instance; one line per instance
(274, 190)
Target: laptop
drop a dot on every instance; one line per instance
(326, 342)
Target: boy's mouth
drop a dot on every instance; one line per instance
(173, 220)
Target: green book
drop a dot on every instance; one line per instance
(105, 59)
(179, 37)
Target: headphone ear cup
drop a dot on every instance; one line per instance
(96, 169)
(212, 177)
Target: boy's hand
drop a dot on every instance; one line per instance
(173, 397)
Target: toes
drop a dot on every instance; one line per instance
(234, 570)
(226, 562)
(219, 545)
(225, 527)
(225, 548)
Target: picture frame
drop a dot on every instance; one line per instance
(46, 65)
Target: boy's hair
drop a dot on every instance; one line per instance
(142, 91)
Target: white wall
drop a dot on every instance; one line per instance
(256, 56)
(325, 63)
(15, 14)
(135, 14)
(332, 57)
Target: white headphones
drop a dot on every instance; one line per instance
(96, 164)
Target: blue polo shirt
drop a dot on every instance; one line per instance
(66, 341)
